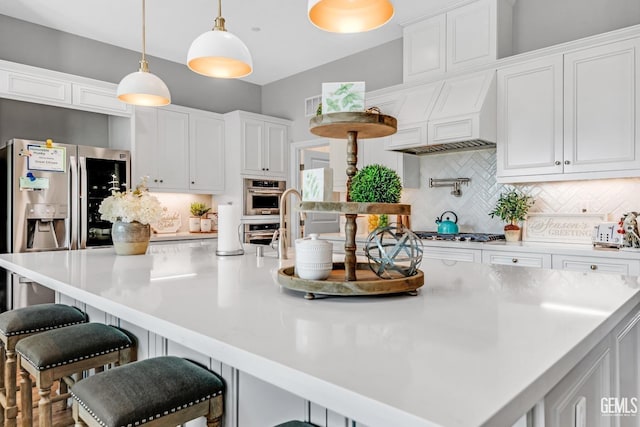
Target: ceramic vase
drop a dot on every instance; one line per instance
(205, 225)
(130, 238)
(512, 232)
(194, 224)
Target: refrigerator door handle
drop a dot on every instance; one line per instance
(83, 202)
(74, 196)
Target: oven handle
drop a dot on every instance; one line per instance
(252, 190)
(259, 235)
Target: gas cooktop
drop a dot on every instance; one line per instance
(461, 237)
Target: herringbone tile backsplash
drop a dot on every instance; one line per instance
(611, 196)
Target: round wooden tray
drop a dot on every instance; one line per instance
(356, 208)
(367, 284)
(368, 125)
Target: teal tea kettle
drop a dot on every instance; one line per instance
(445, 225)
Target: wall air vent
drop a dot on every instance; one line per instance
(311, 105)
(472, 144)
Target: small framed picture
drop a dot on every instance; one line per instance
(342, 97)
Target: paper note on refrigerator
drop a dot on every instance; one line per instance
(33, 184)
(46, 159)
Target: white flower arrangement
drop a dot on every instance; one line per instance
(132, 205)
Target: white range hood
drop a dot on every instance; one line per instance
(461, 115)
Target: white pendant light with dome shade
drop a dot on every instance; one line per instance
(349, 16)
(142, 87)
(218, 53)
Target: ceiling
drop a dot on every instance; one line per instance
(281, 39)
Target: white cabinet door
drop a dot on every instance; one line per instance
(251, 138)
(424, 47)
(33, 87)
(173, 150)
(530, 118)
(627, 368)
(575, 400)
(206, 152)
(601, 117)
(471, 34)
(275, 150)
(101, 99)
(145, 154)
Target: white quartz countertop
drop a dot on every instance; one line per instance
(479, 345)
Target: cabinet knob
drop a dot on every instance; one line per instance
(193, 182)
(266, 169)
(161, 180)
(558, 162)
(593, 267)
(567, 162)
(514, 260)
(155, 180)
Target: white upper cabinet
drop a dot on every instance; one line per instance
(206, 153)
(471, 35)
(264, 147)
(179, 149)
(571, 116)
(424, 46)
(38, 85)
(263, 143)
(530, 118)
(601, 108)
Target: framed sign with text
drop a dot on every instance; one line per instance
(50, 159)
(561, 228)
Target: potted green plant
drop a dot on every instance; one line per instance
(198, 210)
(376, 184)
(512, 207)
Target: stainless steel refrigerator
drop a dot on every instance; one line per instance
(50, 197)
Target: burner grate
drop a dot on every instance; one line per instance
(464, 237)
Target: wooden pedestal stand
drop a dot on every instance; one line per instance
(352, 126)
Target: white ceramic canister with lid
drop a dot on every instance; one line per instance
(313, 258)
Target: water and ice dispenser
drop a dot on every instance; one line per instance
(46, 227)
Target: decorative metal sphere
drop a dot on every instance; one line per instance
(391, 254)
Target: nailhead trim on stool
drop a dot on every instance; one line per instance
(143, 391)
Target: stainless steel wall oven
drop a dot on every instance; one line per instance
(262, 197)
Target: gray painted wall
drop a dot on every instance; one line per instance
(39, 122)
(378, 67)
(44, 47)
(543, 23)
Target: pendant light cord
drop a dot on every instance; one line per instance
(144, 65)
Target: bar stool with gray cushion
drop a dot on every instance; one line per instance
(16, 325)
(60, 353)
(159, 392)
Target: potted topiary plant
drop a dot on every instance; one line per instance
(198, 210)
(512, 207)
(376, 184)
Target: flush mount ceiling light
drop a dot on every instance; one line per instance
(349, 16)
(218, 53)
(142, 87)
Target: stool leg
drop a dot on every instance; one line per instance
(214, 417)
(62, 389)
(26, 404)
(44, 405)
(11, 411)
(76, 415)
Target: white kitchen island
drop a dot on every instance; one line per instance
(479, 345)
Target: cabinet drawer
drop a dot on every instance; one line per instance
(597, 265)
(452, 254)
(521, 259)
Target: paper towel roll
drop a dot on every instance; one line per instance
(228, 228)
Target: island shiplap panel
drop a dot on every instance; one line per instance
(261, 404)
